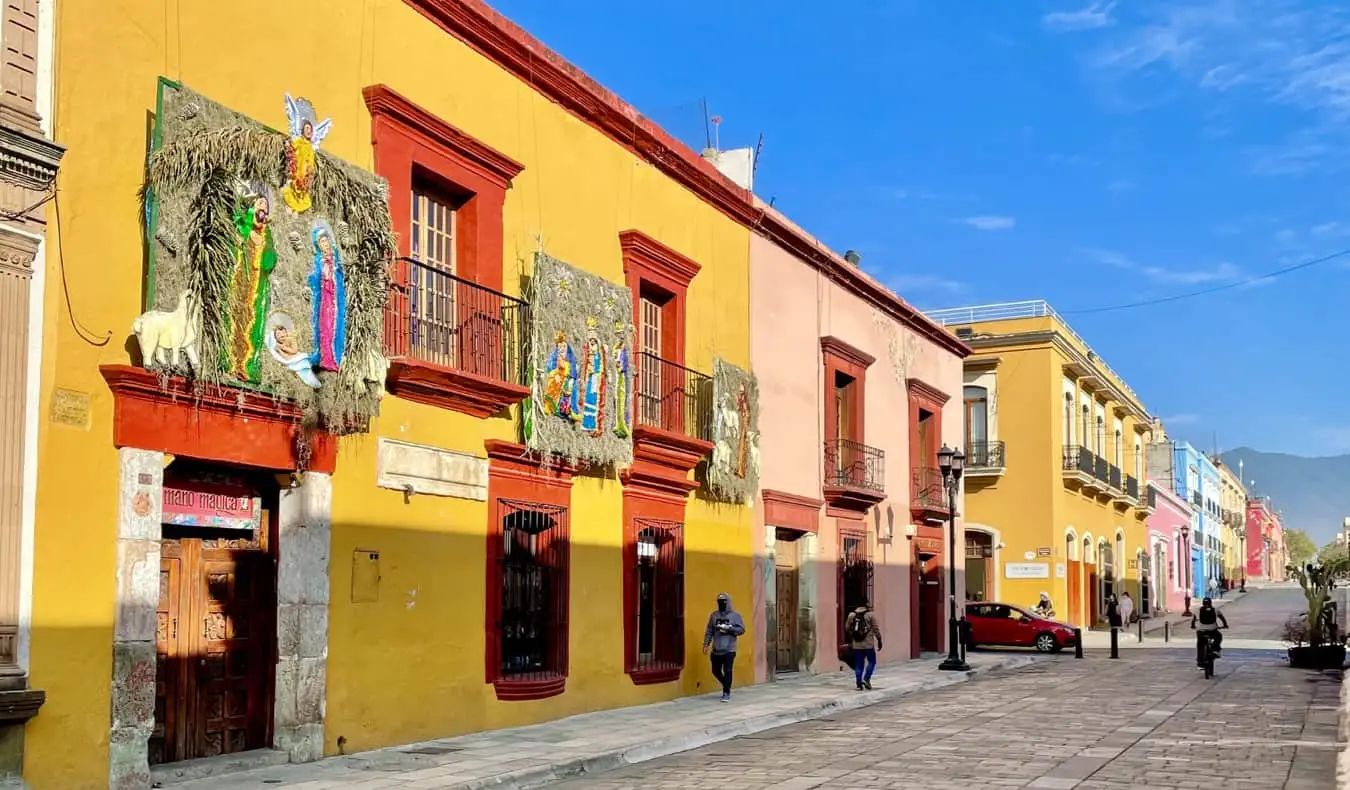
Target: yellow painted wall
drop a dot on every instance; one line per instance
(420, 648)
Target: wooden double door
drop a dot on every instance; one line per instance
(930, 603)
(215, 643)
(787, 580)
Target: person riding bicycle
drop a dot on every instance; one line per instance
(1208, 619)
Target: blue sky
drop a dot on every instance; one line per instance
(1089, 154)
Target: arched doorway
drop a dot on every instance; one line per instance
(981, 582)
(1074, 578)
(1146, 592)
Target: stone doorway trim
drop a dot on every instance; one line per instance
(304, 527)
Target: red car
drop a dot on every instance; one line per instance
(1004, 624)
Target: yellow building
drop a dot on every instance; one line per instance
(1233, 520)
(437, 330)
(1054, 464)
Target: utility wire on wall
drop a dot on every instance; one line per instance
(1214, 289)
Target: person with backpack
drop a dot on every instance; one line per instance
(864, 640)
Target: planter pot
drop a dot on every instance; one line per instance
(1321, 657)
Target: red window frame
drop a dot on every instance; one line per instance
(415, 148)
(641, 505)
(514, 476)
(850, 529)
(658, 273)
(840, 357)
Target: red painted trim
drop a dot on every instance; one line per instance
(662, 460)
(926, 392)
(640, 501)
(412, 144)
(651, 267)
(222, 424)
(515, 472)
(447, 388)
(520, 54)
(790, 511)
(924, 539)
(840, 357)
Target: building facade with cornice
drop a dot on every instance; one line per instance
(29, 161)
(1059, 461)
(859, 392)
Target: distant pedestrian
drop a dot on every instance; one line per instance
(864, 640)
(1044, 608)
(724, 625)
(1126, 608)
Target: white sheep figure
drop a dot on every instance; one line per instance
(163, 335)
(375, 370)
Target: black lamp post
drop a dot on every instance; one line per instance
(952, 463)
(1242, 541)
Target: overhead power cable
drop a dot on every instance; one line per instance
(1214, 289)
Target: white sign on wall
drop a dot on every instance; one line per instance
(1026, 570)
(1059, 570)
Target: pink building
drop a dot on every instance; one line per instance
(857, 393)
(1265, 555)
(1169, 541)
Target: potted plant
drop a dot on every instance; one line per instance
(1316, 641)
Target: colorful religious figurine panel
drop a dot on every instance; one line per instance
(328, 285)
(302, 155)
(733, 475)
(579, 325)
(255, 257)
(283, 250)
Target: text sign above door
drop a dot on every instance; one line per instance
(1027, 570)
(214, 507)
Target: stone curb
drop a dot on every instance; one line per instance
(528, 778)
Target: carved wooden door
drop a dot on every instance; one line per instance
(787, 618)
(232, 671)
(166, 740)
(930, 603)
(214, 644)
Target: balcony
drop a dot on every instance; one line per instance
(453, 343)
(928, 496)
(1114, 478)
(673, 423)
(985, 459)
(1128, 492)
(1079, 468)
(855, 475)
(1151, 500)
(1197, 500)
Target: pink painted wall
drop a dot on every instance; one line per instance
(1165, 524)
(792, 306)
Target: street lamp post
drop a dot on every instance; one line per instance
(1242, 542)
(951, 463)
(1187, 566)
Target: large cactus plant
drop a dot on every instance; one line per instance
(1317, 582)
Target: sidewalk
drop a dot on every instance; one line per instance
(592, 742)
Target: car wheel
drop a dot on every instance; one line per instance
(1045, 643)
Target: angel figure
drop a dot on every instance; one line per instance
(301, 156)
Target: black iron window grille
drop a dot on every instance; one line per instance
(658, 611)
(534, 566)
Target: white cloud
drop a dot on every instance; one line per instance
(991, 222)
(1181, 419)
(930, 283)
(1285, 53)
(1121, 185)
(1334, 228)
(1095, 16)
(1220, 273)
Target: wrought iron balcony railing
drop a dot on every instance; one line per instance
(928, 490)
(1079, 459)
(1132, 487)
(985, 455)
(1152, 498)
(1101, 469)
(436, 317)
(1113, 477)
(850, 464)
(674, 398)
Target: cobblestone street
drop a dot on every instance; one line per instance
(1146, 720)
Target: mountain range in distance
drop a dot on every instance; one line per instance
(1311, 494)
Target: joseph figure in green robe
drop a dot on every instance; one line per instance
(250, 291)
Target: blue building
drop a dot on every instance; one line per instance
(1197, 481)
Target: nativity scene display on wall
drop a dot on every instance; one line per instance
(268, 259)
(580, 407)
